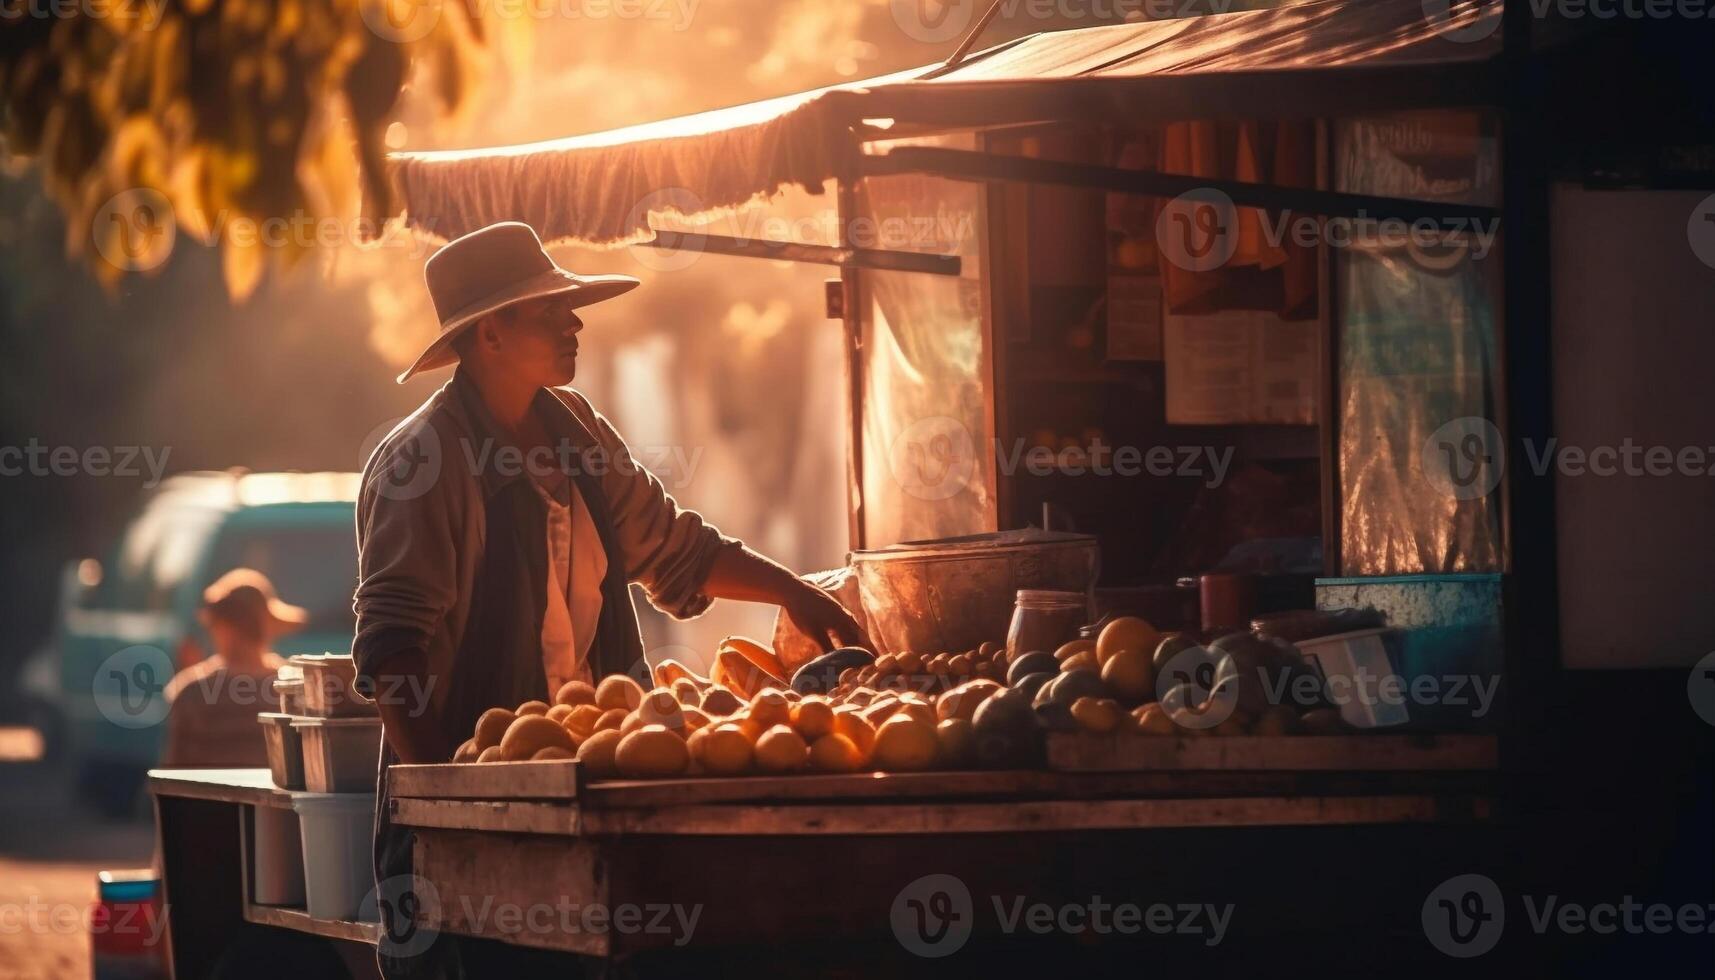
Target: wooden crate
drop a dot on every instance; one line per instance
(1086, 752)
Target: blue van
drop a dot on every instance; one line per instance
(130, 620)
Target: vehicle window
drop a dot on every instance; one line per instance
(312, 567)
(158, 552)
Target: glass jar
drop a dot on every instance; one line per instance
(1043, 620)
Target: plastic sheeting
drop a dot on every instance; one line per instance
(928, 450)
(1418, 366)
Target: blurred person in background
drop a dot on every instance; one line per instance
(213, 704)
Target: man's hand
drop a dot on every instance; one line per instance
(820, 616)
(742, 574)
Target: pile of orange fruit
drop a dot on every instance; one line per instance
(744, 719)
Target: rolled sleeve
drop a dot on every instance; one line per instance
(667, 549)
(406, 559)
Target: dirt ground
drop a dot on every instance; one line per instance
(50, 851)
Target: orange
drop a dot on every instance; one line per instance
(1074, 648)
(724, 750)
(962, 701)
(552, 752)
(575, 693)
(813, 717)
(696, 720)
(1082, 660)
(1151, 720)
(490, 754)
(1130, 673)
(835, 753)
(618, 691)
(491, 726)
(1100, 715)
(916, 708)
(583, 720)
(770, 708)
(686, 692)
(904, 744)
(1126, 633)
(881, 709)
(612, 718)
(528, 734)
(559, 713)
(466, 752)
(660, 707)
(532, 708)
(780, 749)
(849, 722)
(651, 752)
(596, 755)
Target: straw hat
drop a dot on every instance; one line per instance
(246, 594)
(494, 267)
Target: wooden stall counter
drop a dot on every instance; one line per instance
(765, 858)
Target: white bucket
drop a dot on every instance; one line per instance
(1358, 660)
(276, 858)
(338, 836)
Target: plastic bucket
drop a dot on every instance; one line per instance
(338, 836)
(277, 858)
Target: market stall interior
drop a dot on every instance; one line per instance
(1171, 511)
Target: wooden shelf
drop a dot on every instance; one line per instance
(300, 921)
(1303, 753)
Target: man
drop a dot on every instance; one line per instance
(214, 702)
(500, 525)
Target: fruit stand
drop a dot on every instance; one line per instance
(1147, 744)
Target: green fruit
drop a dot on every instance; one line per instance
(1170, 646)
(1031, 663)
(1030, 684)
(1071, 686)
(1006, 732)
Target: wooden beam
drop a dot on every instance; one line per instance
(846, 258)
(972, 165)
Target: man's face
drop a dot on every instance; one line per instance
(538, 341)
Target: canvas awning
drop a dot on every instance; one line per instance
(1308, 60)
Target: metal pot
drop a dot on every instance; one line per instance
(956, 593)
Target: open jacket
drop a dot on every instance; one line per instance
(452, 559)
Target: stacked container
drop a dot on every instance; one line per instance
(325, 744)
